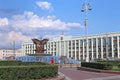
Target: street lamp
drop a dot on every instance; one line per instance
(85, 8)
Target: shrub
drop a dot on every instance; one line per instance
(96, 65)
(113, 63)
(10, 63)
(27, 71)
(18, 63)
(33, 63)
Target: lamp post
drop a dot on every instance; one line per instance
(85, 8)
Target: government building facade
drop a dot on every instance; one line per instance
(100, 46)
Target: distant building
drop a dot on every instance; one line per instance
(101, 46)
(9, 54)
(28, 48)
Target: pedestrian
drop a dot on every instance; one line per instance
(52, 61)
(59, 62)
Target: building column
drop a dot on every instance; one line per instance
(75, 51)
(83, 50)
(71, 49)
(101, 48)
(107, 43)
(92, 49)
(56, 49)
(67, 48)
(46, 48)
(112, 47)
(97, 48)
(50, 47)
(62, 48)
(34, 48)
(118, 48)
(59, 48)
(53, 49)
(79, 50)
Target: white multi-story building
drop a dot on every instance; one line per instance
(28, 48)
(100, 46)
(6, 53)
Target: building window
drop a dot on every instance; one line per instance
(81, 43)
(61, 38)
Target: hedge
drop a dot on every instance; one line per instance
(10, 63)
(96, 65)
(22, 71)
(113, 63)
(19, 63)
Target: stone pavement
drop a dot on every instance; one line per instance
(74, 74)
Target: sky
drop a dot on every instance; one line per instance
(23, 20)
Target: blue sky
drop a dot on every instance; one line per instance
(22, 20)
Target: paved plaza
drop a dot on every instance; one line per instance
(74, 74)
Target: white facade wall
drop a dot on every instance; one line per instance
(100, 46)
(4, 53)
(28, 48)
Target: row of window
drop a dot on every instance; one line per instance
(105, 40)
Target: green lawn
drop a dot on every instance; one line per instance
(116, 68)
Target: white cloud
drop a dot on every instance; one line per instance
(44, 5)
(24, 27)
(3, 22)
(31, 20)
(18, 36)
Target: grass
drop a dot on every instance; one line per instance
(115, 68)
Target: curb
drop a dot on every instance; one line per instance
(98, 70)
(63, 77)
